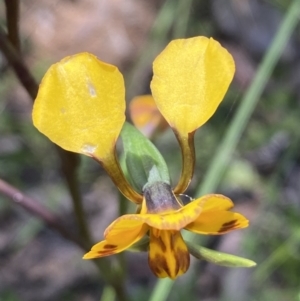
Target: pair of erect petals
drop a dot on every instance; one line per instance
(81, 101)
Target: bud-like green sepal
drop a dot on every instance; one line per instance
(143, 161)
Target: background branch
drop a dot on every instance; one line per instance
(36, 208)
(69, 161)
(12, 17)
(10, 47)
(14, 59)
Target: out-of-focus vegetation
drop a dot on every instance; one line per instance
(262, 176)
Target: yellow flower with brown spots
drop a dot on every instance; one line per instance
(162, 217)
(81, 107)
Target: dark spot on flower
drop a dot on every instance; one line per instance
(106, 252)
(177, 263)
(164, 265)
(108, 246)
(158, 265)
(227, 226)
(182, 260)
(158, 240)
(172, 242)
(229, 223)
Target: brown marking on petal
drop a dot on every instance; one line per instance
(182, 260)
(108, 249)
(177, 262)
(106, 253)
(158, 240)
(181, 255)
(229, 223)
(172, 242)
(228, 226)
(108, 246)
(164, 265)
(158, 265)
(168, 255)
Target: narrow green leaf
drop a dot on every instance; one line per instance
(219, 258)
(143, 161)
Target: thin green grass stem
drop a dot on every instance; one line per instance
(249, 101)
(277, 258)
(238, 125)
(183, 11)
(162, 290)
(172, 15)
(108, 294)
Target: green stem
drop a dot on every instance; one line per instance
(69, 166)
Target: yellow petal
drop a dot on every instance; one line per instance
(217, 222)
(216, 202)
(102, 249)
(168, 254)
(81, 105)
(125, 229)
(145, 115)
(191, 77)
(119, 236)
(173, 220)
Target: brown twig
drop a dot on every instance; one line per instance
(67, 159)
(14, 59)
(12, 17)
(37, 209)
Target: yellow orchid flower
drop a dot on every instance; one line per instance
(163, 216)
(81, 107)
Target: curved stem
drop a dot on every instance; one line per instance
(113, 168)
(187, 146)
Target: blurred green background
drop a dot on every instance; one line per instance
(249, 150)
